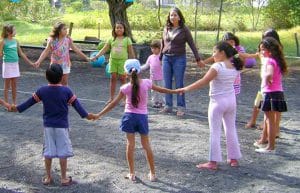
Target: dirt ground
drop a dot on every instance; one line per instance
(99, 164)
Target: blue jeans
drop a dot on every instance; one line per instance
(174, 66)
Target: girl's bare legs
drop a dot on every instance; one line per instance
(113, 85)
(271, 129)
(6, 88)
(64, 80)
(48, 163)
(149, 154)
(277, 122)
(253, 118)
(14, 90)
(130, 152)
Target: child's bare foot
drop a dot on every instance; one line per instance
(211, 165)
(250, 125)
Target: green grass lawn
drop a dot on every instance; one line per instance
(35, 34)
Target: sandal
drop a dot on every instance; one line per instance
(131, 177)
(233, 163)
(208, 165)
(69, 182)
(47, 181)
(152, 177)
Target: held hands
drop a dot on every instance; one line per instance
(37, 64)
(180, 91)
(93, 116)
(201, 64)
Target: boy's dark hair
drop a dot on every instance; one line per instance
(155, 44)
(54, 73)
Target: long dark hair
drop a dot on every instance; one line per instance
(230, 36)
(273, 46)
(179, 13)
(56, 29)
(6, 30)
(271, 33)
(135, 88)
(231, 53)
(114, 34)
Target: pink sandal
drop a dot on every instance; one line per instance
(233, 163)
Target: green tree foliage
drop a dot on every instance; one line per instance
(283, 13)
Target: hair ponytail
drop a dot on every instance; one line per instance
(135, 88)
(231, 53)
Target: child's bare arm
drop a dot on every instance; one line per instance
(78, 51)
(23, 55)
(102, 51)
(131, 54)
(111, 105)
(43, 55)
(1, 47)
(162, 89)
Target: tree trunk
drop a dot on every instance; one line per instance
(117, 12)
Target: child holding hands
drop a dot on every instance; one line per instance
(56, 98)
(120, 46)
(10, 50)
(156, 74)
(59, 44)
(135, 118)
(222, 104)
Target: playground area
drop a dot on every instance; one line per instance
(99, 164)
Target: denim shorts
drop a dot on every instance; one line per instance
(132, 122)
(57, 143)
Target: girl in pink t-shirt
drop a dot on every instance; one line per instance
(156, 73)
(135, 118)
(273, 68)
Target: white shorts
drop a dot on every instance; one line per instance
(57, 143)
(10, 70)
(66, 68)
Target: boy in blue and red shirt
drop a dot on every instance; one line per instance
(55, 99)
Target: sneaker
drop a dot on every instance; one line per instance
(265, 151)
(260, 145)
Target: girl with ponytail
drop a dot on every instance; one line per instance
(135, 118)
(222, 105)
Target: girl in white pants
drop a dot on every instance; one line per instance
(222, 105)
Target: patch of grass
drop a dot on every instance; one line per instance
(35, 34)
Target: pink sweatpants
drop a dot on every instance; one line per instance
(222, 109)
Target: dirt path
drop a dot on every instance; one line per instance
(178, 144)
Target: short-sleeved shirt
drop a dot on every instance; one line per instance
(222, 84)
(10, 50)
(60, 51)
(119, 47)
(277, 76)
(155, 67)
(144, 86)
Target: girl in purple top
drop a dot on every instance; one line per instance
(273, 68)
(135, 118)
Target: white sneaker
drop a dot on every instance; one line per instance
(265, 151)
